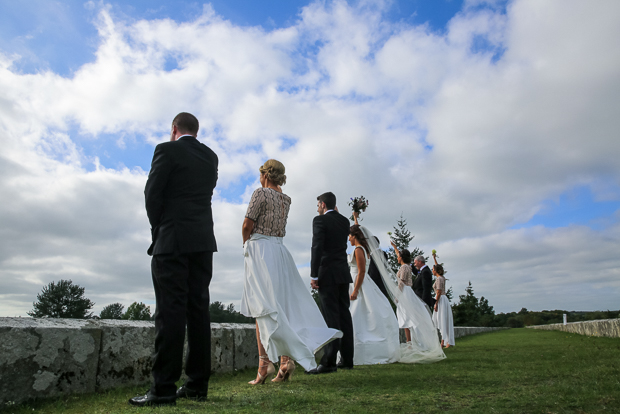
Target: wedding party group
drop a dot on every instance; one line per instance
(354, 322)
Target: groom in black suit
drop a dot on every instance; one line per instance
(330, 274)
(178, 203)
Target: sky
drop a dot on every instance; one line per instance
(490, 126)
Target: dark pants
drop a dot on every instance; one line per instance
(181, 284)
(335, 307)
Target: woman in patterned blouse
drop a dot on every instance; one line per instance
(289, 324)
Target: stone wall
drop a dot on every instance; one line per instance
(51, 357)
(602, 327)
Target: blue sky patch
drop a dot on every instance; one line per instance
(575, 207)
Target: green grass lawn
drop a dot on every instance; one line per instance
(512, 371)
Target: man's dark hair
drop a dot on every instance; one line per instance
(186, 123)
(329, 199)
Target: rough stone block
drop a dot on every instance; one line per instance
(222, 346)
(126, 353)
(46, 358)
(245, 349)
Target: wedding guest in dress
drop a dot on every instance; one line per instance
(289, 324)
(178, 204)
(423, 283)
(375, 326)
(442, 317)
(405, 278)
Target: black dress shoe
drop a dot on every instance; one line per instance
(343, 366)
(185, 392)
(322, 369)
(151, 400)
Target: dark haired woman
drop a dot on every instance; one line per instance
(288, 321)
(442, 317)
(375, 326)
(405, 278)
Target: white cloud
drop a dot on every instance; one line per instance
(463, 141)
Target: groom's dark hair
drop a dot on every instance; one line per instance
(329, 199)
(186, 123)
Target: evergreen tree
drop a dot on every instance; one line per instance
(472, 312)
(449, 294)
(401, 238)
(62, 300)
(113, 311)
(138, 312)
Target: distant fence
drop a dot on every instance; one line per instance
(52, 357)
(603, 327)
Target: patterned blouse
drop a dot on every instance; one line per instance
(440, 284)
(268, 210)
(404, 276)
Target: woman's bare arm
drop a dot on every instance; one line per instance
(246, 229)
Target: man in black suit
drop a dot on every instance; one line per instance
(330, 274)
(374, 274)
(423, 283)
(178, 203)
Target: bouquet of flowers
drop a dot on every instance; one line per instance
(358, 204)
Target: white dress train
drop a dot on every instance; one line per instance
(411, 311)
(288, 318)
(375, 327)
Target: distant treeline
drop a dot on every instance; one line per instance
(471, 311)
(546, 317)
(226, 314)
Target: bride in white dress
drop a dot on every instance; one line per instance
(424, 346)
(375, 326)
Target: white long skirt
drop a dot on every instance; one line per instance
(442, 319)
(413, 314)
(375, 327)
(288, 318)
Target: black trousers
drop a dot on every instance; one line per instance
(181, 284)
(335, 307)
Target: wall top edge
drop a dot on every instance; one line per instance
(27, 322)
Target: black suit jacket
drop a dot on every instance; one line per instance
(423, 285)
(374, 274)
(328, 262)
(178, 197)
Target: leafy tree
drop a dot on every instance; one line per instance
(113, 311)
(471, 311)
(138, 312)
(62, 300)
(401, 238)
(222, 313)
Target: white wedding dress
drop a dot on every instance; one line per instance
(412, 312)
(375, 327)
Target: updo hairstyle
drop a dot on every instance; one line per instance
(439, 269)
(406, 256)
(274, 170)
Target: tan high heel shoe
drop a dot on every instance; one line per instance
(284, 375)
(270, 370)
